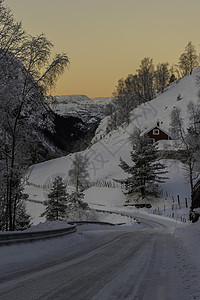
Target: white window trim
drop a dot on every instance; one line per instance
(156, 131)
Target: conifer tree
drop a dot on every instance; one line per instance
(57, 200)
(146, 169)
(23, 219)
(76, 208)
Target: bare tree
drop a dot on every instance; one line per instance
(161, 76)
(146, 75)
(79, 171)
(26, 78)
(188, 60)
(191, 144)
(176, 123)
(125, 99)
(193, 111)
(12, 35)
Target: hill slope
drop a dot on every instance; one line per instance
(104, 155)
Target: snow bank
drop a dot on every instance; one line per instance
(49, 225)
(190, 235)
(101, 197)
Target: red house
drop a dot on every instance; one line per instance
(156, 133)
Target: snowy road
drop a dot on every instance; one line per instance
(146, 264)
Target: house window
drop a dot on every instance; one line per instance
(153, 141)
(156, 132)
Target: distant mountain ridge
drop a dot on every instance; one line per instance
(90, 110)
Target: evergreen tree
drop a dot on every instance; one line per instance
(76, 208)
(23, 219)
(146, 169)
(78, 172)
(57, 200)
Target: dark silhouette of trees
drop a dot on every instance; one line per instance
(188, 60)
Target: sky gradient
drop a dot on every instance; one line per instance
(106, 39)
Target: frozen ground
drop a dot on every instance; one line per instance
(156, 261)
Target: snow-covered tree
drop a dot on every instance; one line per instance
(190, 142)
(23, 219)
(146, 170)
(77, 209)
(79, 171)
(56, 204)
(193, 111)
(176, 123)
(3, 214)
(27, 74)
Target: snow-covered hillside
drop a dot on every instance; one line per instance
(89, 110)
(147, 114)
(160, 108)
(104, 155)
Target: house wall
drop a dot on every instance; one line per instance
(157, 137)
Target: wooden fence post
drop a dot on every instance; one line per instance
(186, 203)
(178, 198)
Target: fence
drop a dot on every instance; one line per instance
(176, 204)
(109, 184)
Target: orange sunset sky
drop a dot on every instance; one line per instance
(106, 39)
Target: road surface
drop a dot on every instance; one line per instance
(145, 264)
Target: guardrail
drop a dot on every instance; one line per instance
(91, 222)
(21, 237)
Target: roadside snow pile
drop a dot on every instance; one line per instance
(49, 225)
(116, 218)
(104, 197)
(190, 235)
